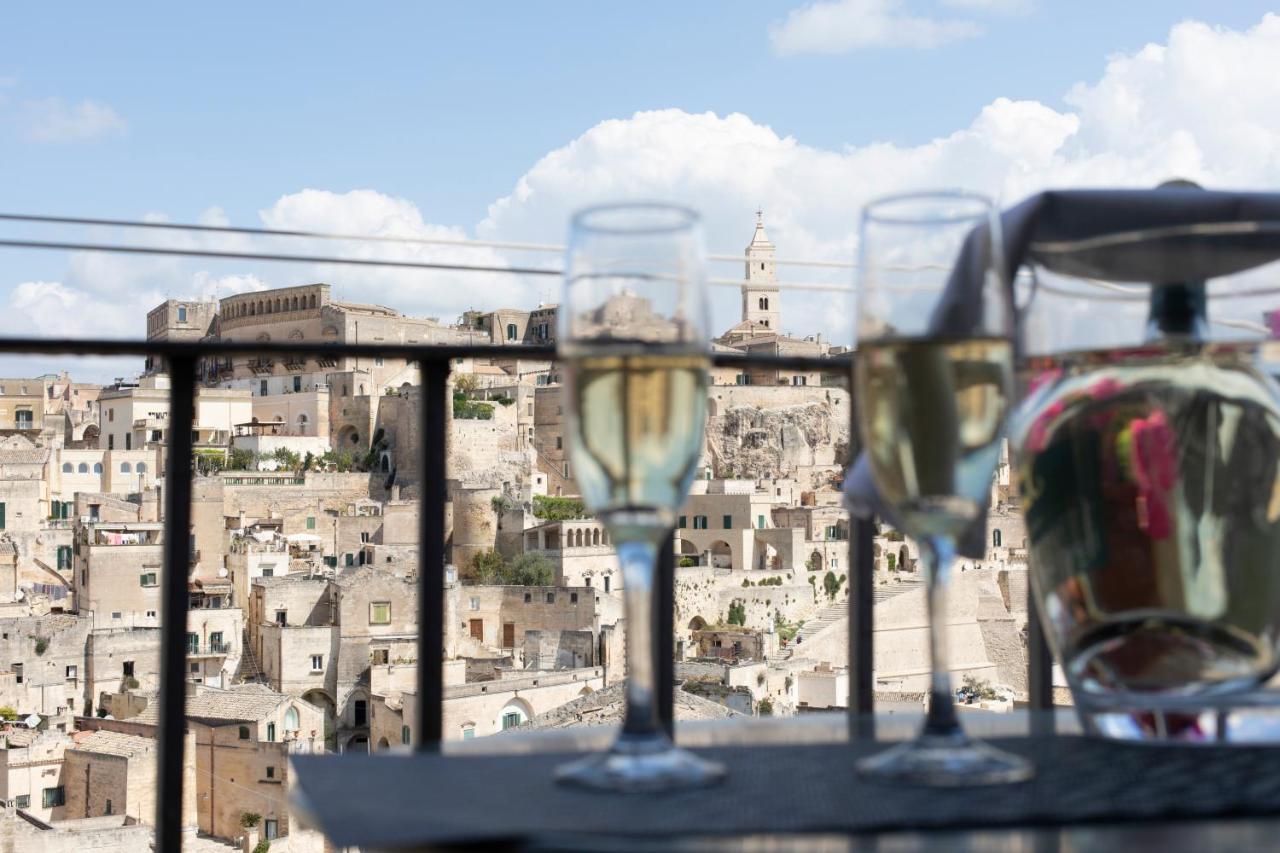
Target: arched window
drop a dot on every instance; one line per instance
(291, 720)
(125, 468)
(97, 467)
(313, 300)
(82, 468)
(595, 536)
(66, 468)
(142, 468)
(995, 537)
(295, 303)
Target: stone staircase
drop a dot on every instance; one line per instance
(892, 589)
(830, 615)
(205, 844)
(249, 668)
(824, 618)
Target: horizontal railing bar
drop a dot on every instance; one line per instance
(410, 352)
(370, 238)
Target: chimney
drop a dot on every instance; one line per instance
(395, 491)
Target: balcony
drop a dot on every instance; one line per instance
(208, 650)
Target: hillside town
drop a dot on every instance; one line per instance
(303, 568)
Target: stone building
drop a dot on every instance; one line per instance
(31, 771)
(42, 664)
(108, 773)
(116, 571)
(241, 742)
(579, 550)
(134, 415)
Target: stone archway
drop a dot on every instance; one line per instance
(721, 554)
(815, 561)
(383, 743)
(697, 623)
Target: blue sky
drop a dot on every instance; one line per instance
(443, 109)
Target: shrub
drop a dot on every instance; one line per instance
(488, 567)
(738, 613)
(7, 712)
(248, 820)
(830, 584)
(764, 708)
(262, 846)
(504, 400)
(552, 508)
(686, 562)
(471, 410)
(42, 645)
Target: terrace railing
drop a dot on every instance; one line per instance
(188, 360)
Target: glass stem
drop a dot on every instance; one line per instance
(940, 719)
(638, 558)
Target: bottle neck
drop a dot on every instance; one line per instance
(1178, 311)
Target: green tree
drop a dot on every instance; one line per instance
(488, 567)
(241, 459)
(7, 712)
(466, 383)
(765, 707)
(287, 459)
(830, 584)
(531, 570)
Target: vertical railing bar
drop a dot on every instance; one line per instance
(173, 624)
(862, 721)
(861, 710)
(664, 626)
(431, 567)
(1039, 669)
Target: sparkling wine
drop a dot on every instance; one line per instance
(932, 413)
(639, 427)
(1150, 484)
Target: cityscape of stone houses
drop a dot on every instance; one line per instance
(304, 558)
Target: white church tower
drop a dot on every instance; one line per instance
(760, 304)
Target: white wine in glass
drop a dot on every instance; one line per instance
(933, 385)
(634, 338)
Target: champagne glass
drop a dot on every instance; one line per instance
(934, 381)
(634, 339)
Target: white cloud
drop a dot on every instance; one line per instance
(1197, 106)
(55, 120)
(842, 26)
(992, 7)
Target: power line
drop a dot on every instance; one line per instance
(464, 243)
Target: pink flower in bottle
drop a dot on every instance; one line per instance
(1155, 467)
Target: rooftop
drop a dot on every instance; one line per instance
(246, 703)
(113, 743)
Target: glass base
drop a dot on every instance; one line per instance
(946, 761)
(641, 763)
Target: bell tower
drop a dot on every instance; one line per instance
(760, 304)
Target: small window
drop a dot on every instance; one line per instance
(82, 468)
(475, 602)
(71, 673)
(381, 656)
(244, 733)
(317, 663)
(271, 732)
(760, 518)
(995, 537)
(17, 672)
(551, 598)
(297, 384)
(380, 613)
(528, 597)
(22, 801)
(182, 318)
(97, 467)
(311, 522)
(559, 442)
(54, 797)
(573, 598)
(125, 467)
(127, 668)
(378, 361)
(606, 583)
(271, 773)
(147, 579)
(67, 468)
(511, 331)
(728, 522)
(116, 614)
(405, 737)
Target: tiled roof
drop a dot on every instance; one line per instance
(113, 743)
(247, 703)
